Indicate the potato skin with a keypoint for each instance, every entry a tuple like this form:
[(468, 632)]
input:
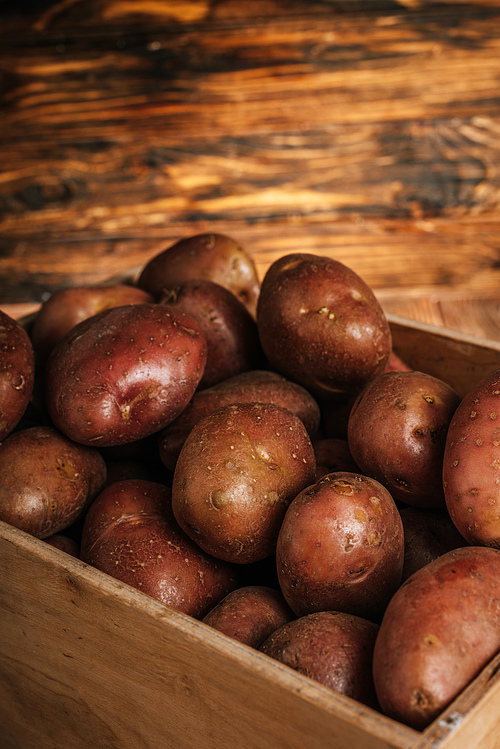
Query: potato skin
[(331, 647), (17, 373), (46, 480), (124, 374), (255, 386), (332, 455), (233, 344), (428, 535), (320, 325), (397, 432), (238, 470), (439, 630), (65, 308), (471, 464), (211, 256), (250, 614), (130, 534), (340, 547)]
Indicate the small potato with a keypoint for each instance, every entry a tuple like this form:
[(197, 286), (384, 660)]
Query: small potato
[(64, 543), (428, 535), (124, 374), (320, 325), (210, 256), (332, 455), (250, 614), (256, 386), (130, 534), (67, 307), (397, 432), (17, 373), (46, 480), (331, 647), (233, 344), (471, 464), (237, 472), (340, 547), (439, 630)]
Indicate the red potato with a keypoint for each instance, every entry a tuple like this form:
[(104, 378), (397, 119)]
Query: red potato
[(320, 325), (46, 480), (124, 374), (130, 534), (331, 647), (471, 464), (64, 543), (17, 373), (332, 455), (237, 472), (340, 547), (67, 307), (233, 344), (210, 256), (439, 630), (250, 614), (397, 432), (428, 535), (256, 386)]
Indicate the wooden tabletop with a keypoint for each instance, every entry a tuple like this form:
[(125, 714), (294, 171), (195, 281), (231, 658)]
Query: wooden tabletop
[(366, 130)]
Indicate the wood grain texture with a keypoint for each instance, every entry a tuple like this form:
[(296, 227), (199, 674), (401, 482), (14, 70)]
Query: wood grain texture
[(366, 131)]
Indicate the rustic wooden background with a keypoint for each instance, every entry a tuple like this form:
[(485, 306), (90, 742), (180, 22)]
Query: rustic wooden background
[(367, 130)]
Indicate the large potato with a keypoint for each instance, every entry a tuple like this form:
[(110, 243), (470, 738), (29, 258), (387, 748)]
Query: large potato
[(237, 472), (65, 308), (210, 256), (17, 373), (440, 628), (124, 374), (397, 432), (46, 480), (471, 464), (131, 534), (250, 614), (321, 325), (255, 386), (233, 344), (340, 547), (331, 647)]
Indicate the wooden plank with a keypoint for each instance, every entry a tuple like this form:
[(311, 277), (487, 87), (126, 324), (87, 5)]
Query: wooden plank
[(375, 137), (87, 661)]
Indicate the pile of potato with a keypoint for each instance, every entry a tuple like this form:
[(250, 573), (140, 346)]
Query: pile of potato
[(255, 455)]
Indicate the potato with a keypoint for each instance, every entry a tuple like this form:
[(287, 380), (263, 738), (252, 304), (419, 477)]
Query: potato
[(63, 543), (250, 614), (255, 386), (428, 535), (238, 470), (332, 455), (320, 325), (333, 648), (65, 308), (439, 630), (17, 373), (340, 547), (124, 374), (46, 480), (130, 534), (233, 344), (471, 464), (210, 256), (397, 431)]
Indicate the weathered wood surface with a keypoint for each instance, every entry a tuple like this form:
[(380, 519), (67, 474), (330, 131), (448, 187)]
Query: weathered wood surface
[(369, 131)]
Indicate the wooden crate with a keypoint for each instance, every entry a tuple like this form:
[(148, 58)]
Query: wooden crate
[(86, 661)]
